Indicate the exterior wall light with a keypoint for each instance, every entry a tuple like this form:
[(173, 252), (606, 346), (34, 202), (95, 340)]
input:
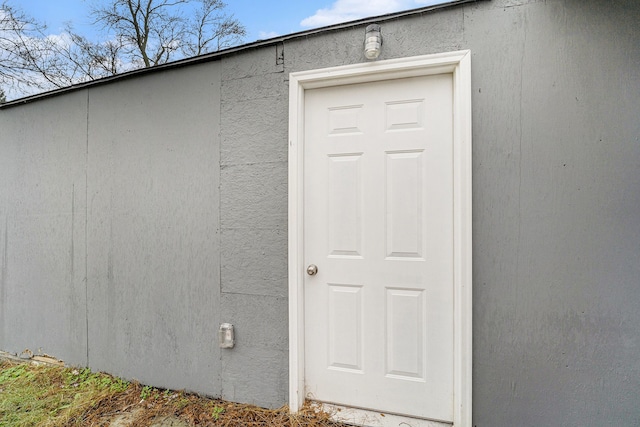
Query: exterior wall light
[(372, 41), (226, 337)]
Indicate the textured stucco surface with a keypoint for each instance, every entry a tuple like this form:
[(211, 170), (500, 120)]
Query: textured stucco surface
[(168, 192), (42, 206), (253, 223), (110, 225), (556, 203), (153, 228)]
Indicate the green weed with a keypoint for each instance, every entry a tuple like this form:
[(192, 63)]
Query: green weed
[(52, 396), (148, 392), (217, 411)]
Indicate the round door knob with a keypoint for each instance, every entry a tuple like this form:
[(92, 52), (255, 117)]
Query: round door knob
[(312, 270)]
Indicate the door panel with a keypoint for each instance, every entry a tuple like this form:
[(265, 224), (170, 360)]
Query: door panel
[(378, 215)]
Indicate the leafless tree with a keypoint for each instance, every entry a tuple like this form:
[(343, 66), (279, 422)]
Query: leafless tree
[(138, 33), (154, 32), (31, 60), (212, 30), (86, 60), (27, 56)]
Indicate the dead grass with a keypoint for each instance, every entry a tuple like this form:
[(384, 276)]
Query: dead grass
[(51, 396)]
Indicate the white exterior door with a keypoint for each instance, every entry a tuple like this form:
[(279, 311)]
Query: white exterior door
[(379, 226)]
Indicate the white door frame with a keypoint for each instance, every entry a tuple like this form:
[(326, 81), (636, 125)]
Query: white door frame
[(459, 64)]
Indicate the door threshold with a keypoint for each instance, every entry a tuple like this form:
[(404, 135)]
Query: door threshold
[(368, 418)]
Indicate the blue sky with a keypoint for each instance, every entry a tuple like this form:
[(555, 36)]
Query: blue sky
[(263, 19)]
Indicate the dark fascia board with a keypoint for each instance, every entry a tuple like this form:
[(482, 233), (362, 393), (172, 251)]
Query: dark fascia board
[(213, 56)]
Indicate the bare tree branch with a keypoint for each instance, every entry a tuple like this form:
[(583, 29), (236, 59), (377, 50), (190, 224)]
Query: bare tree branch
[(138, 33), (213, 29), (159, 31), (90, 61), (27, 55)]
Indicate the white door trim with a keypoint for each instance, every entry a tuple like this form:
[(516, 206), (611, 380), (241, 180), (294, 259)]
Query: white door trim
[(459, 64)]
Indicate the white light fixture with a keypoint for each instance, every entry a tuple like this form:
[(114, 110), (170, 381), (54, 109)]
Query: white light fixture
[(372, 41), (226, 337)]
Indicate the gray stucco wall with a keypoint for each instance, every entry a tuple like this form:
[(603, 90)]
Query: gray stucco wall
[(153, 257), (110, 228), (253, 223), (556, 207), (42, 208), (178, 241)]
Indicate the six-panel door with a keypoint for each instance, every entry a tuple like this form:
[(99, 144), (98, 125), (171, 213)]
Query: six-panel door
[(378, 215)]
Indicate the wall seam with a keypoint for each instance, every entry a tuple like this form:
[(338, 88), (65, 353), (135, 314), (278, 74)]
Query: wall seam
[(519, 237), (235, 164), (3, 277), (219, 168), (86, 232), (252, 295)]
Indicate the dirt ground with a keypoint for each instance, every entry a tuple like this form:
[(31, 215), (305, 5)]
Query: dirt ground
[(68, 396)]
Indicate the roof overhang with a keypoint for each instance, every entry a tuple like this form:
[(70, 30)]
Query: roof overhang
[(213, 56)]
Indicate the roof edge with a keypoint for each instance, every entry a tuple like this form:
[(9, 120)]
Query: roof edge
[(212, 56)]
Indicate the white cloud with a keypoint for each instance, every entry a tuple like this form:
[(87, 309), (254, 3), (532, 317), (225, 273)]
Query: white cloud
[(263, 35), (349, 10), (63, 39)]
